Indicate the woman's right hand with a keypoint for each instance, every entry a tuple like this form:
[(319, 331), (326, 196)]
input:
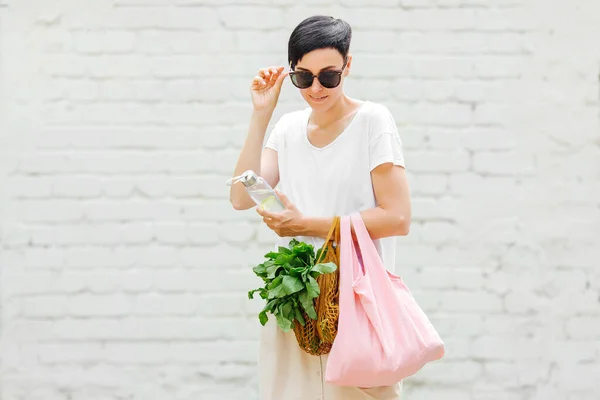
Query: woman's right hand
[(266, 87)]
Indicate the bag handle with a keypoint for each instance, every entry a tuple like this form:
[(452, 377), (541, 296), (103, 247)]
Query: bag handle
[(333, 235), (347, 255), (362, 235), (367, 246)]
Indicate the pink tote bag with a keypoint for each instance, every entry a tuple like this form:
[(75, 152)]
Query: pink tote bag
[(383, 335)]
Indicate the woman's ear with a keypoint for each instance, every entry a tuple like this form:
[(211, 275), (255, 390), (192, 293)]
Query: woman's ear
[(348, 65)]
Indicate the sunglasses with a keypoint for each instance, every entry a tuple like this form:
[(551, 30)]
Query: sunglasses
[(328, 79)]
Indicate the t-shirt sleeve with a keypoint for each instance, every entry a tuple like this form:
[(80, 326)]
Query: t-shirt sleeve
[(384, 140), (274, 140)]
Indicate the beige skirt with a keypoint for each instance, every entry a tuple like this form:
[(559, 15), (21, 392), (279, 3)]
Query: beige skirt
[(288, 373)]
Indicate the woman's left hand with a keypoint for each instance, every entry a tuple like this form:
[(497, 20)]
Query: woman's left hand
[(287, 223)]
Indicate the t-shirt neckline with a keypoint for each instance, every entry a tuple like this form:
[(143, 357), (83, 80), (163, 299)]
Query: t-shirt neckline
[(305, 127)]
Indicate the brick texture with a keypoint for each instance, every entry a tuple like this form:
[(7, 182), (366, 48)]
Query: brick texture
[(124, 270)]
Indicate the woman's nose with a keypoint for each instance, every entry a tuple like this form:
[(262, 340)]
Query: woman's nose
[(316, 85)]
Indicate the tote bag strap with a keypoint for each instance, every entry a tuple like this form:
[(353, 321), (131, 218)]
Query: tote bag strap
[(367, 247), (332, 236), (347, 261), (372, 261)]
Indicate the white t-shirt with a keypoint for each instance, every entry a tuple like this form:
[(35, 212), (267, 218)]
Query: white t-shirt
[(336, 179)]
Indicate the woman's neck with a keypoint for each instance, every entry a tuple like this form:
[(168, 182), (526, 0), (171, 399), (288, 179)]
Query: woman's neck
[(336, 112)]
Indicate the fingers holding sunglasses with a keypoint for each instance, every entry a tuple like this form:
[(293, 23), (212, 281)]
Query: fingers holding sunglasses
[(281, 75), (269, 77), (261, 80), (258, 83), (268, 74), (266, 87)]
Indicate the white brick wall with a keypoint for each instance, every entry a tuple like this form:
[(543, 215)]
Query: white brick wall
[(124, 270)]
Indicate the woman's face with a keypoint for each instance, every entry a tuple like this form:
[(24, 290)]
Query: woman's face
[(319, 97)]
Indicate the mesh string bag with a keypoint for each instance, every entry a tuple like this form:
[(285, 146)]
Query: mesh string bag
[(316, 336)]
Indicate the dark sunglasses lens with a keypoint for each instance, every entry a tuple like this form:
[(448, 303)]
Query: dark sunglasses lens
[(329, 79), (302, 80)]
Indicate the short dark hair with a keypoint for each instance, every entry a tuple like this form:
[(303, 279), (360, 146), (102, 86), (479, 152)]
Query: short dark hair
[(318, 32)]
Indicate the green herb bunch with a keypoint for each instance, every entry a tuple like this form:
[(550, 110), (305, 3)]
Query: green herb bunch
[(290, 281)]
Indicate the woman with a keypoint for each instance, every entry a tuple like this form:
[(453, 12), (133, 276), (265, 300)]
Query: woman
[(336, 157)]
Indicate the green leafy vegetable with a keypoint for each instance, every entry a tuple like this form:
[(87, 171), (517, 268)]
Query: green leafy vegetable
[(290, 284)]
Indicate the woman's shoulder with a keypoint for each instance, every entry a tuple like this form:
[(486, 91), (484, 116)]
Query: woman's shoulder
[(376, 109), (293, 117), (379, 117)]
